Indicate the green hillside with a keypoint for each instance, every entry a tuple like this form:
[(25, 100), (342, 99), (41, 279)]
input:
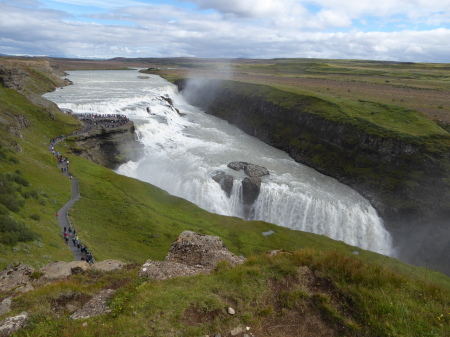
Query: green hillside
[(323, 280)]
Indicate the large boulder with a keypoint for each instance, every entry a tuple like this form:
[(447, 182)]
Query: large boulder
[(225, 181), (60, 269), (196, 249), (250, 189), (251, 185), (190, 254), (250, 170)]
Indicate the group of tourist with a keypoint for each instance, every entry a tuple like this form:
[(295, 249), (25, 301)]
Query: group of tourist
[(102, 120), (90, 121), (69, 233)]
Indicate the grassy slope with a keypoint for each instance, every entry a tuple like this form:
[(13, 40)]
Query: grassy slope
[(117, 217), (49, 189)]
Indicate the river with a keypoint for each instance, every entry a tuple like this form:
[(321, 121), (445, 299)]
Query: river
[(183, 150)]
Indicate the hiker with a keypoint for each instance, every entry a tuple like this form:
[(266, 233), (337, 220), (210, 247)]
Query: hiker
[(66, 239)]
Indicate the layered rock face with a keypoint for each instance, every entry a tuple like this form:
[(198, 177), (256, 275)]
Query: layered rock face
[(109, 147), (393, 174)]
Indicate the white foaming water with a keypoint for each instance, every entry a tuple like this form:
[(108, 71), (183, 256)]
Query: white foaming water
[(181, 153)]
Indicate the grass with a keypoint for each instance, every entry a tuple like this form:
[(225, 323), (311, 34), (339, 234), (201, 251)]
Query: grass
[(371, 117), (343, 294), (321, 280)]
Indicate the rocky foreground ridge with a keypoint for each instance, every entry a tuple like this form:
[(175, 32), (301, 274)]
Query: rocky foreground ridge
[(190, 254)]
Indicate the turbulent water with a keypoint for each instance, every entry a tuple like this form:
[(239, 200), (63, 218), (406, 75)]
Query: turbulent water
[(183, 152)]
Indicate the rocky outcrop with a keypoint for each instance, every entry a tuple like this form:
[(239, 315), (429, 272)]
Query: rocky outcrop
[(190, 254), (109, 147), (251, 185), (12, 78), (60, 269), (16, 277), (252, 170)]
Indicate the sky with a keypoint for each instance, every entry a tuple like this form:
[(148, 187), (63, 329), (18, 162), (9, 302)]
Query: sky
[(390, 30)]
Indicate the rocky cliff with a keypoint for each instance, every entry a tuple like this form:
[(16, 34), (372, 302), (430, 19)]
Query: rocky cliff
[(108, 147), (405, 179)]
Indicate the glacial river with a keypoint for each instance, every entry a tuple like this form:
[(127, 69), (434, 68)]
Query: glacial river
[(183, 151)]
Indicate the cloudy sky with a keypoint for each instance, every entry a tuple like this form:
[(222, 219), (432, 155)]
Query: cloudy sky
[(401, 30)]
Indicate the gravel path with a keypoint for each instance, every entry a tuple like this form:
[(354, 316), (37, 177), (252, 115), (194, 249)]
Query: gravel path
[(63, 217)]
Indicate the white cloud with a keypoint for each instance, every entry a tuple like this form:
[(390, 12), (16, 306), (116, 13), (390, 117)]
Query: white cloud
[(247, 8), (232, 29)]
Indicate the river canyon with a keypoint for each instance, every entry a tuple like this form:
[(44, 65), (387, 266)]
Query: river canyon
[(184, 149)]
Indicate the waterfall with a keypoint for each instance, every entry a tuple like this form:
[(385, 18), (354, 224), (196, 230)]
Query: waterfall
[(183, 149)]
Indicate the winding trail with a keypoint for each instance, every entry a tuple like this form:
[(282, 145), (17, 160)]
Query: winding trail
[(63, 216), (90, 123)]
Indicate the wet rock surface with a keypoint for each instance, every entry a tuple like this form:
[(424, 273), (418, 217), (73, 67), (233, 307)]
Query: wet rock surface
[(225, 181), (251, 185)]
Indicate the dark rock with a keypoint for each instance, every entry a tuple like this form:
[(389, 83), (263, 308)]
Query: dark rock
[(251, 185), (76, 270), (167, 99), (250, 189), (225, 181), (237, 165), (253, 170), (109, 147)]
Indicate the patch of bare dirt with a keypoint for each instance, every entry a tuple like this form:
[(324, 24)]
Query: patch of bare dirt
[(69, 302)]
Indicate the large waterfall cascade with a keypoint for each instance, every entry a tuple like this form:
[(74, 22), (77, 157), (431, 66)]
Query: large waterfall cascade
[(183, 149)]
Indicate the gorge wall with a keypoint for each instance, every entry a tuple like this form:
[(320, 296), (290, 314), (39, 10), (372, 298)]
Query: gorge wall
[(109, 147), (406, 181)]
